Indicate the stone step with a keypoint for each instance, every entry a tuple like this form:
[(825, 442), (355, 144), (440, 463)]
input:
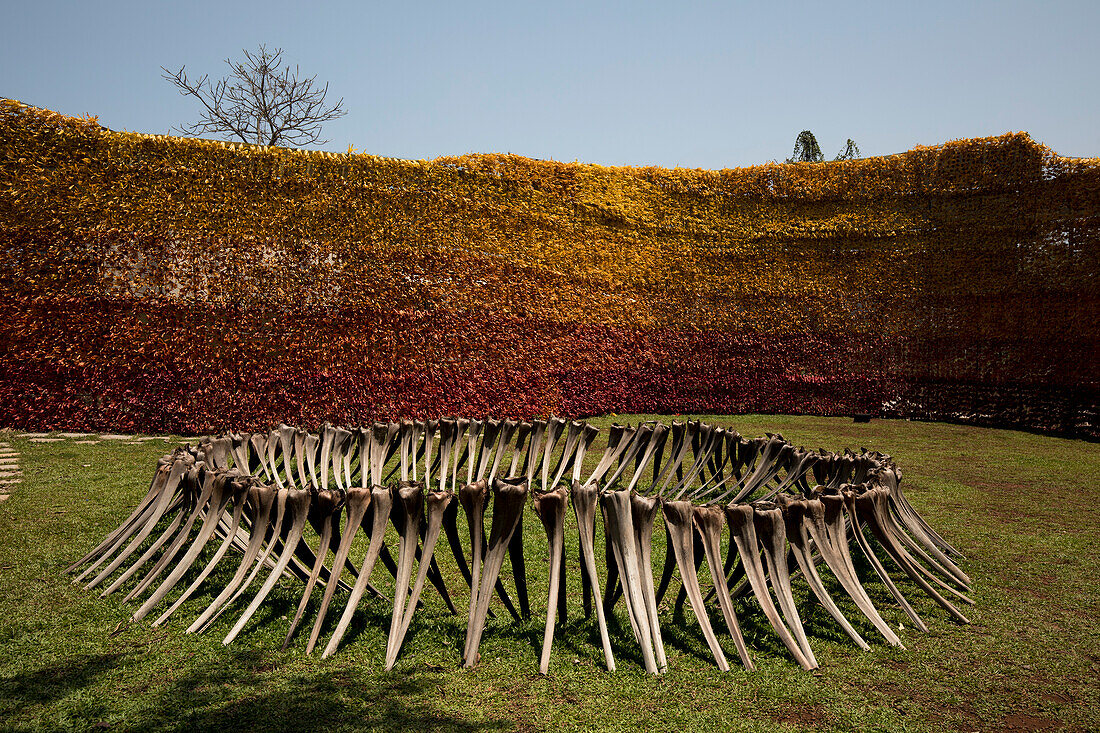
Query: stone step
[(46, 440)]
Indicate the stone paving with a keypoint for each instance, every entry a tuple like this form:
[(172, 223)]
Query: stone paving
[(92, 438), (9, 470), (11, 474)]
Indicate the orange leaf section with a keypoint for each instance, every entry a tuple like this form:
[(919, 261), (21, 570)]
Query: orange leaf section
[(153, 282)]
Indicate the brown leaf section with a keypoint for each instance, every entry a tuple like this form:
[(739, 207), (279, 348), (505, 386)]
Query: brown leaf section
[(959, 281)]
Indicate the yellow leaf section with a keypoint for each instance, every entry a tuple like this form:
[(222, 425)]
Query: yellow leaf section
[(888, 245)]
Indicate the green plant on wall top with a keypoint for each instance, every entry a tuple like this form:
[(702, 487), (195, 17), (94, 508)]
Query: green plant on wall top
[(807, 150)]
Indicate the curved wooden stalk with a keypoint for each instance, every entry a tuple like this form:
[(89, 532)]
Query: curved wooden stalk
[(217, 452), (473, 497), (847, 501), (325, 511), (921, 528), (221, 494), (409, 502), (240, 488), (381, 503), (825, 525), (619, 525), (357, 502), (509, 496), (678, 523), (239, 448), (166, 496), (583, 498), (171, 532), (276, 529), (910, 525), (771, 532), (261, 498), (133, 522), (643, 512), (731, 568), (437, 502), (298, 503), (199, 501), (739, 517), (795, 517), (915, 549), (449, 445), (939, 573), (709, 521), (872, 509), (550, 508)]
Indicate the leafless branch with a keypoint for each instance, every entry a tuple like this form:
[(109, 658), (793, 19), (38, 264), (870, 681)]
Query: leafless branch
[(260, 101)]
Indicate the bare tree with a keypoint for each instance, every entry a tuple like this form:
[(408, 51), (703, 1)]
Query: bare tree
[(261, 101)]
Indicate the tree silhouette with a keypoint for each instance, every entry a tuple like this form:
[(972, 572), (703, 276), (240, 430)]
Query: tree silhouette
[(850, 152), (260, 102), (807, 150)]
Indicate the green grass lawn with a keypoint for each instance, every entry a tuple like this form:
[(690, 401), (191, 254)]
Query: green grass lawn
[(1022, 508)]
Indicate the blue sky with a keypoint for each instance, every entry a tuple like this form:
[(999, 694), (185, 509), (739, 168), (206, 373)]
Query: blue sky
[(692, 84)]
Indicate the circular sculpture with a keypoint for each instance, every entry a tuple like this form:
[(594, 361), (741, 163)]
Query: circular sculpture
[(788, 511)]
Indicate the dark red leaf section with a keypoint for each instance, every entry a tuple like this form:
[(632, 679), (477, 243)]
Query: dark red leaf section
[(127, 366)]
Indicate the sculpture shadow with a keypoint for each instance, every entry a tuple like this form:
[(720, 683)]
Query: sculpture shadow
[(235, 691), (55, 681)]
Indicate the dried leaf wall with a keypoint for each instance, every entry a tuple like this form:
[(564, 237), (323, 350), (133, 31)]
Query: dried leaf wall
[(160, 283)]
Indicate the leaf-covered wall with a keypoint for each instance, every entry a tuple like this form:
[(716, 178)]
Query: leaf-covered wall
[(161, 283)]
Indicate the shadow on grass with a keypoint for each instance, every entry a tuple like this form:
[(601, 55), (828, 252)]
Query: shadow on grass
[(53, 682), (319, 702), (236, 694)]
